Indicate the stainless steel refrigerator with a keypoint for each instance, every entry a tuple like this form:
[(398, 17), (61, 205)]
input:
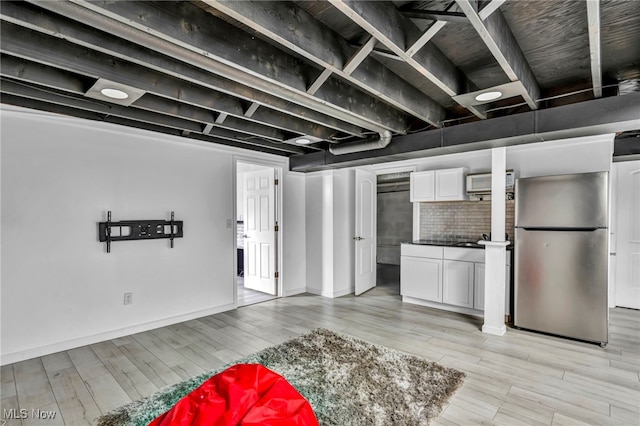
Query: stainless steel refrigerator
[(561, 255)]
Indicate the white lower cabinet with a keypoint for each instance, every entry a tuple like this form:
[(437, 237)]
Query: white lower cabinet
[(450, 276), (478, 296), (478, 292), (457, 283), (421, 278)]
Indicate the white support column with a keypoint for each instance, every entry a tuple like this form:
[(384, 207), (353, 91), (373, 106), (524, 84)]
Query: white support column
[(495, 250)]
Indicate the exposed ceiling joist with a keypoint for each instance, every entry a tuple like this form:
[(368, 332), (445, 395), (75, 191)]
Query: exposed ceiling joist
[(294, 28), (140, 115), (433, 15), (383, 21), (344, 75), (593, 18), (497, 36), (78, 33), (360, 55), (283, 75), (489, 8), (434, 28), (56, 53)]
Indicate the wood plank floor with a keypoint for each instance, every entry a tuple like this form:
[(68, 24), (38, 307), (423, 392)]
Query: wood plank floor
[(520, 378)]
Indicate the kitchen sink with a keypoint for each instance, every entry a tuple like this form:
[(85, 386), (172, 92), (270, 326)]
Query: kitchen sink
[(469, 244)]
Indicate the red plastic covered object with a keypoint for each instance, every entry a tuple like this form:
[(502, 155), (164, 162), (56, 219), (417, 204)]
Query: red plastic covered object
[(244, 395)]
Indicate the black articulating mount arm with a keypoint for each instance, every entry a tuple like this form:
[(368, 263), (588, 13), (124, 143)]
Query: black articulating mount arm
[(138, 230)]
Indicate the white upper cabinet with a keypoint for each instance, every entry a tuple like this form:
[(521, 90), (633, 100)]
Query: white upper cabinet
[(438, 185), (450, 184), (422, 186)]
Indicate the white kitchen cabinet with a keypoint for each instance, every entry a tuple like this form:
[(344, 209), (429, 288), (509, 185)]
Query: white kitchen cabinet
[(450, 184), (438, 185), (457, 283), (478, 291), (450, 278), (422, 186), (478, 297), (421, 277)]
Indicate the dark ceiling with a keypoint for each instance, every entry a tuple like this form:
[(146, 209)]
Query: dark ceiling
[(346, 75)]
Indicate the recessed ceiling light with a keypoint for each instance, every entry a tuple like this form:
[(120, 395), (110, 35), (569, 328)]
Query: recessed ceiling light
[(488, 96), (114, 93), (304, 141)]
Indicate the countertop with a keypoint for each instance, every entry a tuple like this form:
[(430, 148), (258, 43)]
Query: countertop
[(451, 242)]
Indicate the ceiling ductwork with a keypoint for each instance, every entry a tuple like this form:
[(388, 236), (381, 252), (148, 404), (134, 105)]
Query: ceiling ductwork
[(358, 146)]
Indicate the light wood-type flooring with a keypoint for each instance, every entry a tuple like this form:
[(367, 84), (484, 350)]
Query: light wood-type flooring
[(520, 378), (247, 296)]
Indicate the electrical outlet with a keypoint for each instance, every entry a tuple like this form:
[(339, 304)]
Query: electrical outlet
[(128, 298)]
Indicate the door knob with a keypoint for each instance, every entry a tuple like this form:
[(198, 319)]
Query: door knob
[(245, 236), (358, 238)]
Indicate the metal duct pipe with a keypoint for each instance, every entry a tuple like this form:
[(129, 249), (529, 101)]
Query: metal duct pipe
[(348, 147)]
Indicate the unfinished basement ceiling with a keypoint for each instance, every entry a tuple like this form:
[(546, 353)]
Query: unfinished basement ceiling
[(311, 79)]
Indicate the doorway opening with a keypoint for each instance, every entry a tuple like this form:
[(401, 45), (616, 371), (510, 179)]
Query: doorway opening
[(256, 233), (394, 226)]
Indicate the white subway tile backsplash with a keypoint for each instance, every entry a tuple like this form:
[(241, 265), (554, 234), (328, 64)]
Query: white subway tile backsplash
[(464, 220)]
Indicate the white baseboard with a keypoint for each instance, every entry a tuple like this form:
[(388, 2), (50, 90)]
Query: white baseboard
[(316, 291), (343, 292), (11, 358), (294, 291)]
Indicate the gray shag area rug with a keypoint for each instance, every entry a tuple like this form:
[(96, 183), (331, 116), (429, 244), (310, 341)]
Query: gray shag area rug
[(346, 380)]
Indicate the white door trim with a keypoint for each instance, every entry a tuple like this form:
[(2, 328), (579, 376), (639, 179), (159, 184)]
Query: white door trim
[(280, 167)]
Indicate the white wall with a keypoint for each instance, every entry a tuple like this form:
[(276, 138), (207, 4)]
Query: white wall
[(294, 234), (577, 155), (314, 230), (60, 289), (330, 224)]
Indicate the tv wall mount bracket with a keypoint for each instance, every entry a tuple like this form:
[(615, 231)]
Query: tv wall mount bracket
[(126, 230)]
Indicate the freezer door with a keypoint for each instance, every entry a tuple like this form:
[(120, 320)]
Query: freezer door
[(565, 201), (561, 282)]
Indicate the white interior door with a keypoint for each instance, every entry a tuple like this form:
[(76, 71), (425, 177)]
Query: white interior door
[(365, 238), (259, 231), (627, 211)]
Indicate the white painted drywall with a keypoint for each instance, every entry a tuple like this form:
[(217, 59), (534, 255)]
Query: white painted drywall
[(314, 231), (60, 175), (329, 229), (294, 234), (576, 155)]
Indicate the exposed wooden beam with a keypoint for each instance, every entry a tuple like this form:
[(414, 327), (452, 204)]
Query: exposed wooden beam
[(106, 109), (428, 34), (434, 28), (360, 55), (433, 15), (324, 76), (45, 76), (497, 36), (384, 22), (593, 19), (116, 45), (221, 118), (489, 8), (81, 61), (291, 26), (283, 75), (252, 109)]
